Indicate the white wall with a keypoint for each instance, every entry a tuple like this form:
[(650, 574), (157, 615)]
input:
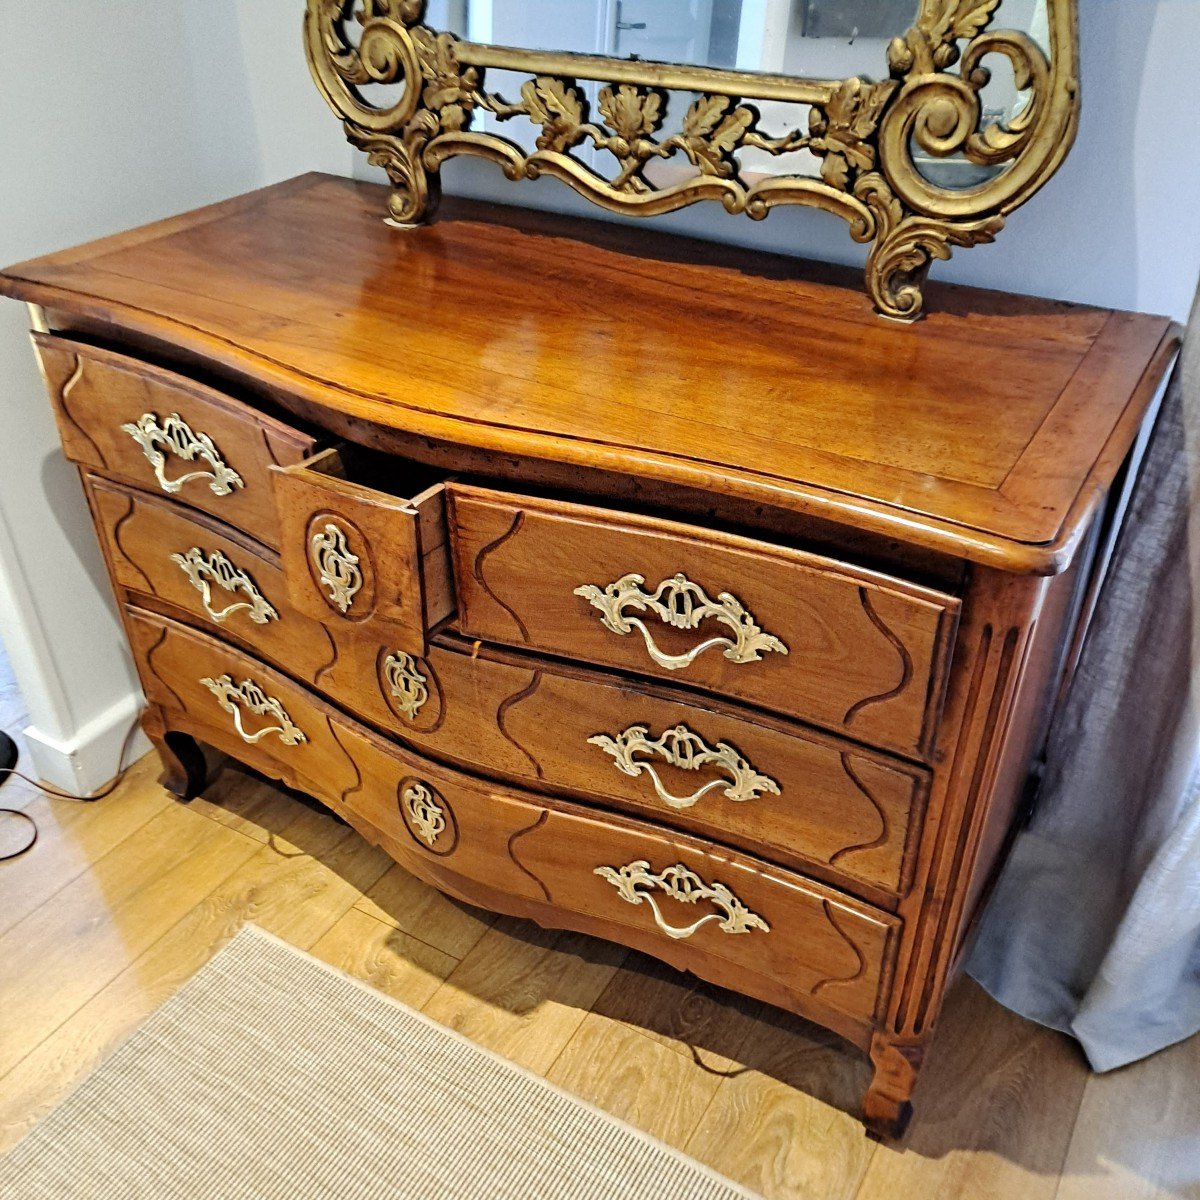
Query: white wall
[(1115, 227), (114, 114)]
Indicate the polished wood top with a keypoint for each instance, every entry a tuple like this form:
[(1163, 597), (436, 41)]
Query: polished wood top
[(989, 430)]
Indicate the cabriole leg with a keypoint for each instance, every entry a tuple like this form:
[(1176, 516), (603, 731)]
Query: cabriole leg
[(185, 771), (887, 1104)]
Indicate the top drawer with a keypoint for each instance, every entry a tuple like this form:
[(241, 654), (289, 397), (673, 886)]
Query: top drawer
[(166, 433), (853, 650)]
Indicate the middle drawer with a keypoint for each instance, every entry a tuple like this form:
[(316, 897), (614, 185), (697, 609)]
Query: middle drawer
[(856, 651), (367, 551), (776, 788)]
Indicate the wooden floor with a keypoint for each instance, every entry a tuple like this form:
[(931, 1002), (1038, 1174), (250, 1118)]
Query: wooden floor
[(121, 901)]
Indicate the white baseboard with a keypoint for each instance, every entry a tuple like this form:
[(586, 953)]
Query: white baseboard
[(88, 760)]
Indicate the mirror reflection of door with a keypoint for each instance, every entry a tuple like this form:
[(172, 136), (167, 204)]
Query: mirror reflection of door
[(823, 39), (672, 31), (581, 26)]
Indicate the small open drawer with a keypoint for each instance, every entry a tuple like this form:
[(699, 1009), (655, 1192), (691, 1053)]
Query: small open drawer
[(364, 540)]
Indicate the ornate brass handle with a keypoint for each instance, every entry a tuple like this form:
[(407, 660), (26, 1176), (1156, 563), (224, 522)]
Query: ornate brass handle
[(684, 605), (682, 884), (232, 697), (175, 436), (681, 747), (337, 568), (204, 570)]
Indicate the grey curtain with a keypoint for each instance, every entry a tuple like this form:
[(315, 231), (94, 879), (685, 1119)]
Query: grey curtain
[(1094, 928)]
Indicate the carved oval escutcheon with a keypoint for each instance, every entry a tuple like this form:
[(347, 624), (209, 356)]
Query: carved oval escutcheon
[(427, 816), (411, 689), (340, 564)]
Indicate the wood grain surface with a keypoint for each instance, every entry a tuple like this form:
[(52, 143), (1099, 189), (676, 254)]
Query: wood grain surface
[(886, 505), (96, 392), (852, 814), (818, 950), (396, 539), (988, 430), (863, 654), (848, 813)]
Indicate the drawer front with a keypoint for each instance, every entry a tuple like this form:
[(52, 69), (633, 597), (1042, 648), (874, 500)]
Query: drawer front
[(854, 651), (769, 786), (235, 588), (167, 434), (724, 916), (358, 558), (209, 572), (235, 703)]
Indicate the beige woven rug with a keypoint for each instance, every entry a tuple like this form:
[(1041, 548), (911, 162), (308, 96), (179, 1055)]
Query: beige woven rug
[(271, 1075)]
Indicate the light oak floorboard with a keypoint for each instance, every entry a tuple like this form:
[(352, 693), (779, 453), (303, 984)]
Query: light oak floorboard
[(784, 1124), (1138, 1132), (296, 894), (705, 1024), (997, 1098), (63, 953), (524, 991), (634, 1077), (130, 896), (72, 835), (381, 955), (244, 803), (404, 902)]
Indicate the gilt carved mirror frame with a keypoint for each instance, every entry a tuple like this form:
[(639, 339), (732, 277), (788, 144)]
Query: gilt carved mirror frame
[(863, 132)]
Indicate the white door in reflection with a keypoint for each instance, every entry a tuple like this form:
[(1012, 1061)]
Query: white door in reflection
[(581, 26), (673, 31)]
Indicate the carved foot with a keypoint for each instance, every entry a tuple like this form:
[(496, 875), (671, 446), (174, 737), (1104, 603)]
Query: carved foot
[(185, 771), (416, 191), (887, 1104)]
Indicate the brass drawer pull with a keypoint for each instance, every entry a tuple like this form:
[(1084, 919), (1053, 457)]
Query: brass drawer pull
[(684, 605), (682, 884), (175, 436), (427, 816), (408, 686), (231, 697), (681, 747), (204, 570), (336, 566)]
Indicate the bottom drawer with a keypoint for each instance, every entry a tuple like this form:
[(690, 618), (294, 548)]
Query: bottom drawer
[(723, 915)]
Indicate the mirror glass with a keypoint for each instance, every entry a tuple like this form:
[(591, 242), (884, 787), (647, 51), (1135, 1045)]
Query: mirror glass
[(826, 39), (815, 39)]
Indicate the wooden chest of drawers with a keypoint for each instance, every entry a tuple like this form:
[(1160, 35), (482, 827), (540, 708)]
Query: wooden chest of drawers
[(579, 631)]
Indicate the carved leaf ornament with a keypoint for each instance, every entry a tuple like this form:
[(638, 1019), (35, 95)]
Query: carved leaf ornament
[(864, 134)]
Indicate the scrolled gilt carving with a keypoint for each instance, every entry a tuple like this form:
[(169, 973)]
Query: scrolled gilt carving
[(174, 436), (337, 568), (425, 814), (636, 882), (683, 748), (860, 133)]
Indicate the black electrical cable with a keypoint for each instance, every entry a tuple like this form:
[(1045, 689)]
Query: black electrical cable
[(8, 763), (8, 769)]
